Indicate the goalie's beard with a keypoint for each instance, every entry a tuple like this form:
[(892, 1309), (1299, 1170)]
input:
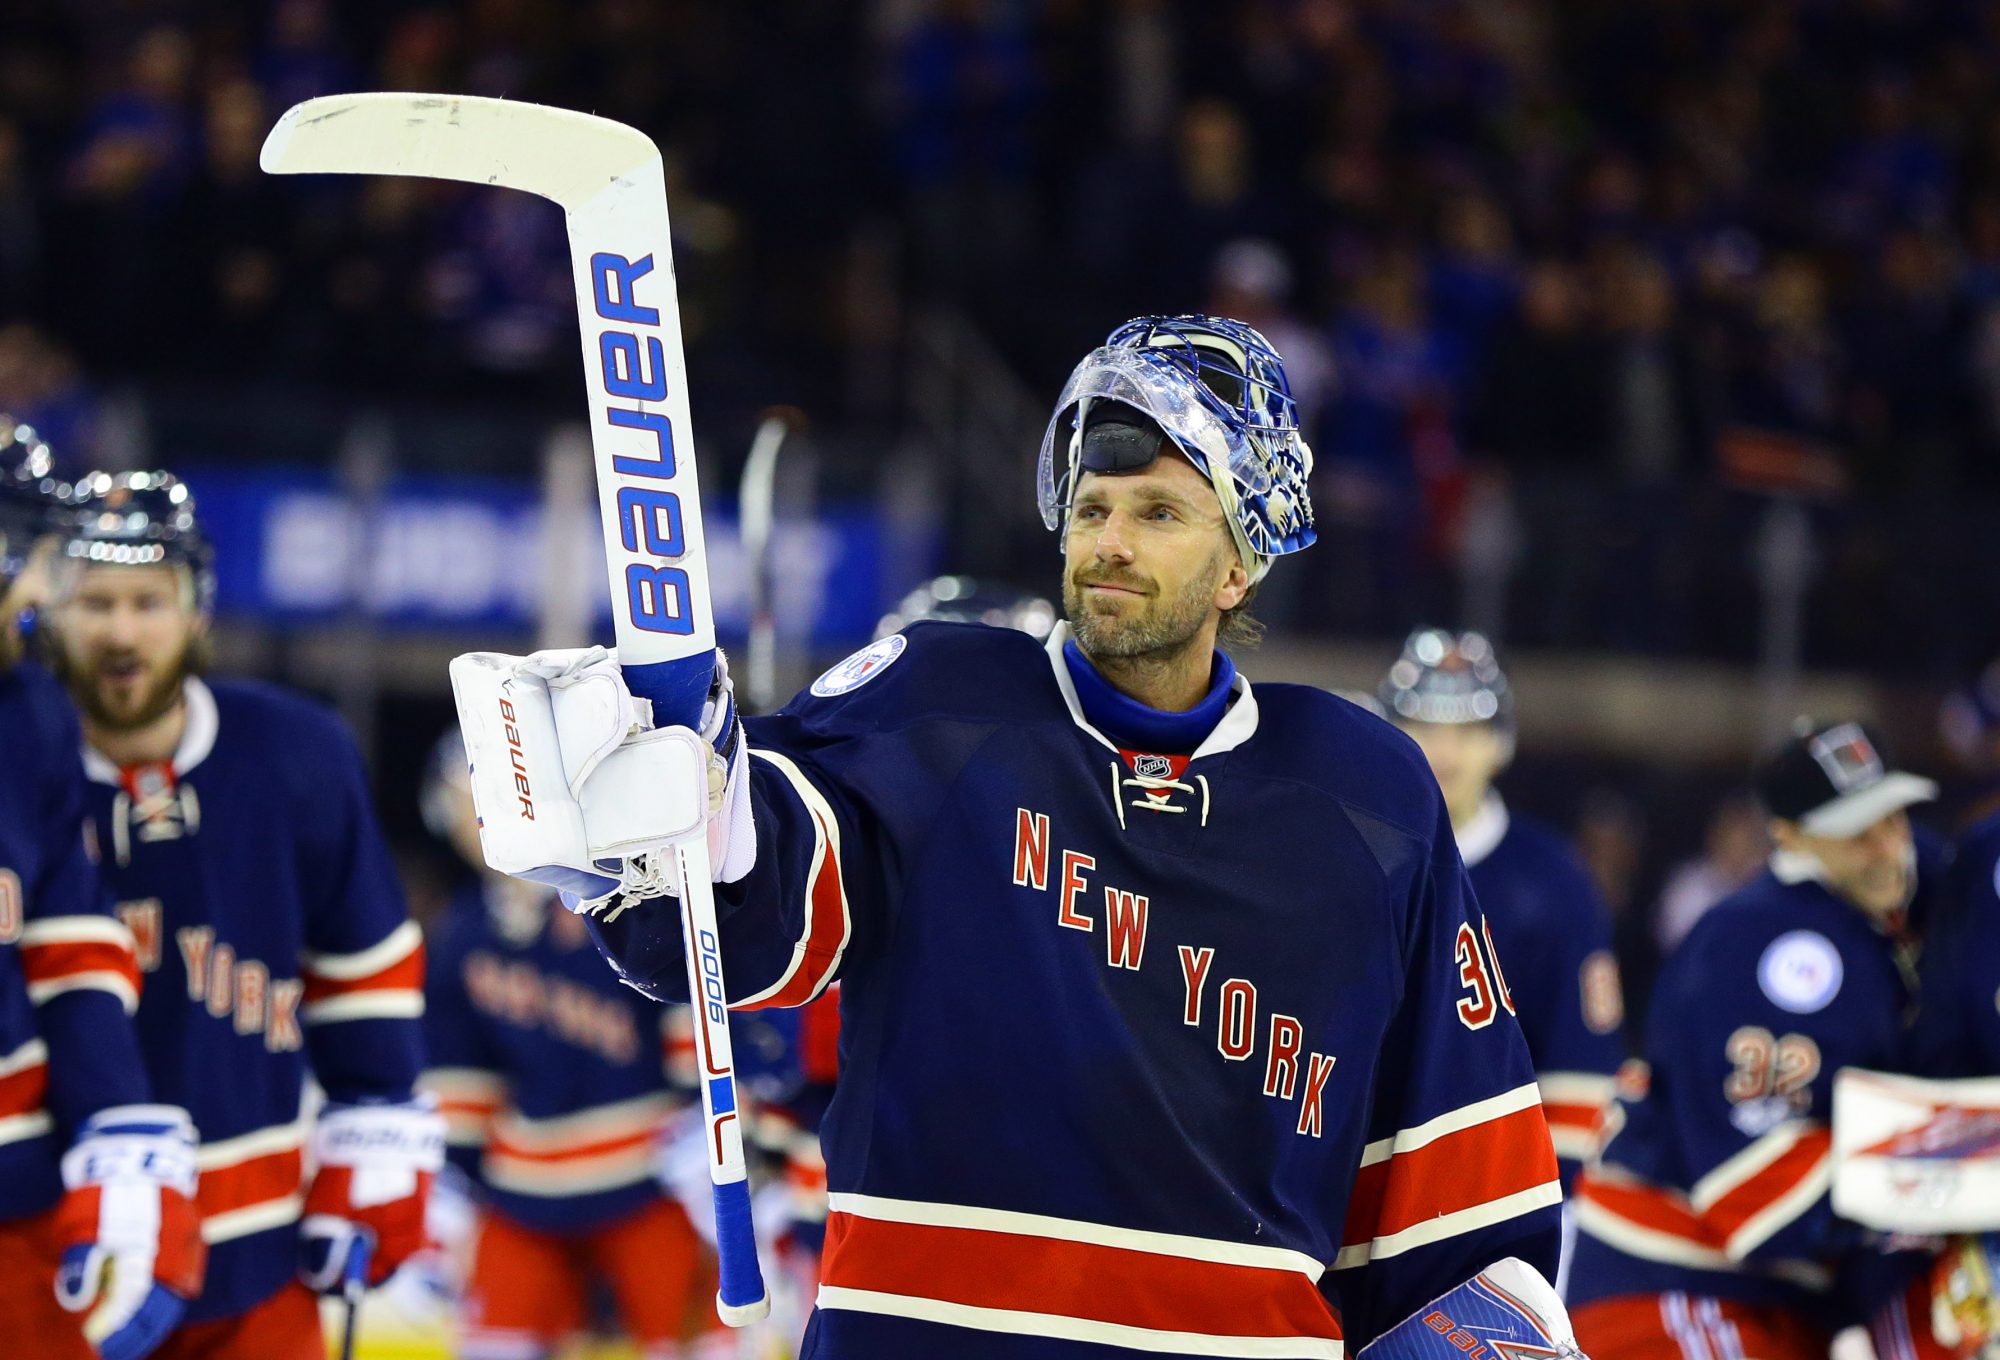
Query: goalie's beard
[(148, 705)]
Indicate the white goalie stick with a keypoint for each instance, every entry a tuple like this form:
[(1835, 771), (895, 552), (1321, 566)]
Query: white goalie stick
[(609, 182)]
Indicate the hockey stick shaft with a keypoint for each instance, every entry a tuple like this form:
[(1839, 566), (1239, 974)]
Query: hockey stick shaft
[(757, 511), (610, 183)]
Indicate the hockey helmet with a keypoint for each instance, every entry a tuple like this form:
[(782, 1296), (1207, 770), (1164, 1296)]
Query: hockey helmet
[(1445, 677), (136, 519), (963, 599), (29, 495), (1217, 390)]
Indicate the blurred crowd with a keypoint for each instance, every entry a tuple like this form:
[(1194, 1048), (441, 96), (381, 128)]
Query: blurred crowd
[(1612, 268), (1552, 233)]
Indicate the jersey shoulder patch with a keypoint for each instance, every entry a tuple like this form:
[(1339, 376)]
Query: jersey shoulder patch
[(844, 677), (1800, 971)]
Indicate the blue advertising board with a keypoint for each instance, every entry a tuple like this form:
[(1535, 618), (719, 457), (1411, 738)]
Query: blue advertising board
[(472, 553)]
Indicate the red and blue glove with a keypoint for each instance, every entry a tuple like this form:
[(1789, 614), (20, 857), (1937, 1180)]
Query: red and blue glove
[(132, 1251), (376, 1164)]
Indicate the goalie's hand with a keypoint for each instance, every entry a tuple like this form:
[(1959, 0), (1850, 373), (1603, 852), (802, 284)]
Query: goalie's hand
[(576, 788)]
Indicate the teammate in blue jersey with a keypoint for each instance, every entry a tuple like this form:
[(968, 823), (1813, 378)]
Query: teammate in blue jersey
[(1957, 1032), (553, 1080), (1706, 1229), (235, 830), (1168, 1022), (99, 1248), (1553, 931)]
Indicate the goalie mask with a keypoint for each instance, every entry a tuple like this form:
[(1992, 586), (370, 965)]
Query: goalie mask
[(1213, 387)]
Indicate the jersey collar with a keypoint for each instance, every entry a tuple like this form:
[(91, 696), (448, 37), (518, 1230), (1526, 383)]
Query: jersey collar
[(1483, 834), (197, 740), (1237, 726)]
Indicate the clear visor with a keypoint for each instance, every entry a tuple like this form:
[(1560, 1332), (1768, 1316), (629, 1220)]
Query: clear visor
[(1157, 386)]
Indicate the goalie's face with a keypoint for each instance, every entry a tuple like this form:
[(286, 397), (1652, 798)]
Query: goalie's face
[(1149, 562), (127, 635)]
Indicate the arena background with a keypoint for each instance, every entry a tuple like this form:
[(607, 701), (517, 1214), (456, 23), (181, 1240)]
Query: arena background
[(1661, 342)]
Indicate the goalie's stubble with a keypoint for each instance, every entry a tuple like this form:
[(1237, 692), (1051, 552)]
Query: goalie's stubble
[(1155, 627)]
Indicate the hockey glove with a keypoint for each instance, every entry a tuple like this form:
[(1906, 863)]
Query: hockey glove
[(132, 1251), (376, 1164)]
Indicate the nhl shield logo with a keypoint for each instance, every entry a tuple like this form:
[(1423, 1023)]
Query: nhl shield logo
[(857, 670), (1153, 767)]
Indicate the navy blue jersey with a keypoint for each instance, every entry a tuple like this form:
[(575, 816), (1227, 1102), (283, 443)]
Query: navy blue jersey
[(68, 979), (1554, 938), (550, 1072), (1136, 1047), (1957, 1033), (1715, 1182), (273, 934)]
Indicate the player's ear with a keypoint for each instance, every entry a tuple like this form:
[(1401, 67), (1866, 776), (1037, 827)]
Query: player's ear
[(1234, 586)]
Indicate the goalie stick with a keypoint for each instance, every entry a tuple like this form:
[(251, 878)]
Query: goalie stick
[(609, 181), (757, 513)]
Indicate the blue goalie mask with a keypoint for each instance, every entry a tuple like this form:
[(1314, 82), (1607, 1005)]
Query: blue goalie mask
[(1213, 387)]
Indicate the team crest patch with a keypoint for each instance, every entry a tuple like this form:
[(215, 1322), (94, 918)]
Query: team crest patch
[(851, 674), (1800, 971)]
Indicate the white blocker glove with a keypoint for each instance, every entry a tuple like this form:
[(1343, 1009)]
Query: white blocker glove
[(576, 788), (132, 1254)]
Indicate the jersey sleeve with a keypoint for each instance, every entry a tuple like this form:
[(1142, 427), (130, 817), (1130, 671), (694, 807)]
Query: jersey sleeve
[(79, 960), (1459, 1170), (829, 780), (363, 965), (1752, 1089), (1572, 1009), (463, 1073)]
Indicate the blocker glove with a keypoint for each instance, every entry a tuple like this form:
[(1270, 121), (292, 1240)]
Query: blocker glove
[(376, 1164), (132, 1254), (575, 786)]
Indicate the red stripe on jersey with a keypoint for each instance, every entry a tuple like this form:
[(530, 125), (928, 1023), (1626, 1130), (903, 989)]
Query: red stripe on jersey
[(57, 960), (1583, 1120), (982, 1268), (1650, 1206), (565, 1152), (1759, 1192), (826, 930), (819, 1037), (254, 1180), (404, 975), (23, 1092), (1460, 1170)]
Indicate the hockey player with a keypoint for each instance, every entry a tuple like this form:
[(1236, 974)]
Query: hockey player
[(236, 832), (1168, 1021), (1553, 931), (551, 1076), (1956, 1035), (99, 1248), (1706, 1229)]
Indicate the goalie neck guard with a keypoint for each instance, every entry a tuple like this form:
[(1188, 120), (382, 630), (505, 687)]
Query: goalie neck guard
[(139, 519), (1217, 390)]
